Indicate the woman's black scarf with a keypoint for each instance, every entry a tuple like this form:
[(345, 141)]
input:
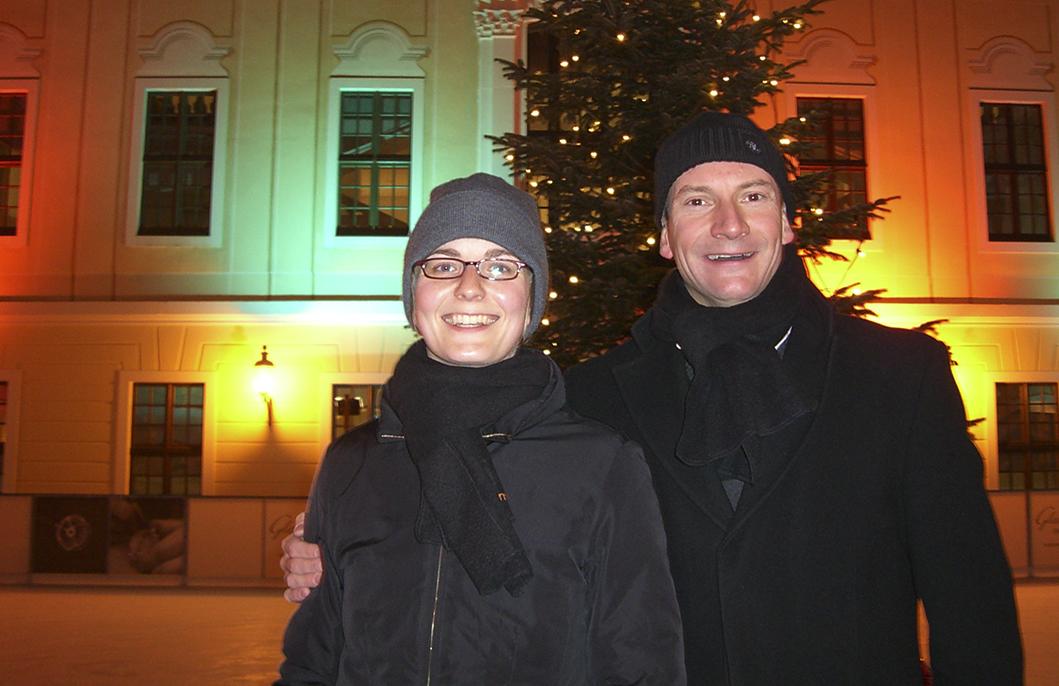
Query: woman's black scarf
[(740, 390), (443, 410)]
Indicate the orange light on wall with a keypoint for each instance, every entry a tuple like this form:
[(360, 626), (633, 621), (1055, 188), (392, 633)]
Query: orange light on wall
[(264, 380)]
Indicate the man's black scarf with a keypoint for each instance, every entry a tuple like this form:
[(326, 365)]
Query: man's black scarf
[(740, 391), (443, 410)]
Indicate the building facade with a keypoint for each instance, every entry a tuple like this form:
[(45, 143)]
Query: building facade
[(186, 182)]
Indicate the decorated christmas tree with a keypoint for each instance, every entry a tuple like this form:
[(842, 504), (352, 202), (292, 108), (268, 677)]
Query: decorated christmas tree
[(605, 82)]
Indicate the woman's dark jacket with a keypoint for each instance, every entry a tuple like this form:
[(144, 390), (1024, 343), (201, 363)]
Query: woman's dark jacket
[(874, 500), (599, 609)]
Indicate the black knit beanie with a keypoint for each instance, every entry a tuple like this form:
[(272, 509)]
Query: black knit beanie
[(487, 207), (717, 137)]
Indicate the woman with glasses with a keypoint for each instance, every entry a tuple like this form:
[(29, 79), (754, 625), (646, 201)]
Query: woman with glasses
[(480, 532)]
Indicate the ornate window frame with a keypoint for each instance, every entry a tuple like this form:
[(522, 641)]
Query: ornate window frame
[(180, 56)]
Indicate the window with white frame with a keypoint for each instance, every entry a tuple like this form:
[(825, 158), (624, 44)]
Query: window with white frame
[(836, 148), (12, 142), (17, 108), (374, 162), (1016, 172), (178, 159), (1027, 419), (165, 456), (177, 152), (180, 127), (353, 405)]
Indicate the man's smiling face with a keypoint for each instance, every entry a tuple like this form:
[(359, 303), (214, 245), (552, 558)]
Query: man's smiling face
[(725, 227)]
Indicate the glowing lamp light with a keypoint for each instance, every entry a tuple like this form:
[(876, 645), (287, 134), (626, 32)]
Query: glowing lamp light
[(651, 240), (264, 380), (620, 37), (574, 279), (552, 295)]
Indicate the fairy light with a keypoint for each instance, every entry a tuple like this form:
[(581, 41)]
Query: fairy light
[(620, 37), (785, 141), (626, 137), (546, 322), (756, 17), (773, 82), (562, 141), (651, 240), (547, 229), (713, 93), (725, 79), (546, 351), (576, 128), (610, 190), (552, 295), (535, 112), (564, 63), (818, 211), (574, 279), (762, 58), (574, 58), (533, 184), (509, 157), (797, 25), (593, 154)]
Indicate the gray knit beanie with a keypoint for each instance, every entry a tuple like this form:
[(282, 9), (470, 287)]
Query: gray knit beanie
[(487, 207), (717, 137)]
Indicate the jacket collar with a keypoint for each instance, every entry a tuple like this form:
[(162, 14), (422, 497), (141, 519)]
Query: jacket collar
[(504, 429)]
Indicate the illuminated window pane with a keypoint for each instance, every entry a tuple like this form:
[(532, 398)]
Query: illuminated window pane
[(1027, 436), (166, 453), (836, 147), (12, 140), (374, 163), (177, 163), (353, 405), (1016, 174)]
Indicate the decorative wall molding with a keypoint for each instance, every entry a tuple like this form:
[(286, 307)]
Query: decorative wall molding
[(183, 48), (381, 49), (1006, 62), (16, 54), (489, 22), (831, 56)]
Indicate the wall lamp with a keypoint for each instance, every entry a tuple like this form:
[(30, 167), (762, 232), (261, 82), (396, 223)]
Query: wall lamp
[(264, 383)]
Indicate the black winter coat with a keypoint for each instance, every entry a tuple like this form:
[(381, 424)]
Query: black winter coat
[(600, 608), (873, 502)]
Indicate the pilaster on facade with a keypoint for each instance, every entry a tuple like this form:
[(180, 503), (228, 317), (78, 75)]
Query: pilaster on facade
[(501, 36)]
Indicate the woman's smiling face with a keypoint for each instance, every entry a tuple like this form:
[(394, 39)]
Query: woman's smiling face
[(471, 321)]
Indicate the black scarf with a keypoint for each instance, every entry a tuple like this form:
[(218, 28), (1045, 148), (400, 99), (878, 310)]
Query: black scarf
[(444, 410), (740, 391)]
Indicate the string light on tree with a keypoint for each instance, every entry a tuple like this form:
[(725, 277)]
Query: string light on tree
[(605, 119)]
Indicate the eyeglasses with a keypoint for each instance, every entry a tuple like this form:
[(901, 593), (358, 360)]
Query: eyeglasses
[(493, 269)]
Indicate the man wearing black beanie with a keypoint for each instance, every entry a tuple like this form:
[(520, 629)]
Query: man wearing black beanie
[(814, 471)]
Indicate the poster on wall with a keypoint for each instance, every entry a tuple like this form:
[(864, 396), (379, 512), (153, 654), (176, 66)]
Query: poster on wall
[(1044, 532), (147, 535), (69, 535)]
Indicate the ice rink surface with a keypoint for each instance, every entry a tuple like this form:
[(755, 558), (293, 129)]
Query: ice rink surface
[(52, 636)]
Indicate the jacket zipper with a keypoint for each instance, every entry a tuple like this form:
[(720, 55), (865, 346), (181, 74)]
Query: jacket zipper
[(434, 614)]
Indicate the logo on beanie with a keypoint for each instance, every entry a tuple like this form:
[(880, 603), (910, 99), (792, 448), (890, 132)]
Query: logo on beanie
[(752, 146)]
